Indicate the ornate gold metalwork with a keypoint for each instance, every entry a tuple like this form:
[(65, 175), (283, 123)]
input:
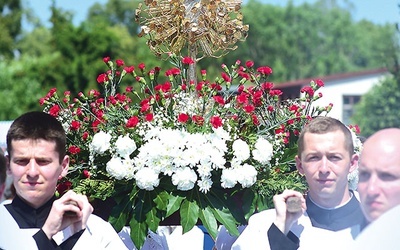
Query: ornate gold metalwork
[(210, 27)]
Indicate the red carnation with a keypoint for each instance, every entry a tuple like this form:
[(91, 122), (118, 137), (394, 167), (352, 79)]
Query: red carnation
[(183, 118), (54, 110), (74, 149), (119, 62), (102, 78), (187, 60), (132, 122), (216, 121), (75, 125)]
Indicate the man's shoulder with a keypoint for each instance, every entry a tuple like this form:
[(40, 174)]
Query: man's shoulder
[(262, 216)]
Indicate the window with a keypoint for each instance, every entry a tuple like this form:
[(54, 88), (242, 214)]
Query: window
[(348, 107)]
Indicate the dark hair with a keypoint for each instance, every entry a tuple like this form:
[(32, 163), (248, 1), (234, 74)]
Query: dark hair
[(3, 166), (323, 125), (37, 125)]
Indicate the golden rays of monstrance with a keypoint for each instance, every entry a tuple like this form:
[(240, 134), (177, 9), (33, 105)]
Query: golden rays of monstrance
[(206, 28)]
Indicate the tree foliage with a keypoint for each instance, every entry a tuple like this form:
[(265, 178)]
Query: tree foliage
[(10, 26), (378, 108)]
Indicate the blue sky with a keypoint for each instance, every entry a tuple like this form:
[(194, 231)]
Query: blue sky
[(377, 11)]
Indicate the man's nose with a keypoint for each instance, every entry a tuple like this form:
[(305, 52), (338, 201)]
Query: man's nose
[(324, 165), (32, 168)]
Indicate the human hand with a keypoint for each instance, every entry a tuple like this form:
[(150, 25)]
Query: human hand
[(71, 209), (285, 219)]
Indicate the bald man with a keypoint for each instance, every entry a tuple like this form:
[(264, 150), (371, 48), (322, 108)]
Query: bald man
[(379, 189)]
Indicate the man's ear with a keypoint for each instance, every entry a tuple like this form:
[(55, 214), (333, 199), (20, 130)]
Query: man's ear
[(353, 162), (299, 166), (65, 166)]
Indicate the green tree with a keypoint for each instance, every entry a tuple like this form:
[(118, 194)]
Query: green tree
[(379, 107), (10, 26), (19, 93)]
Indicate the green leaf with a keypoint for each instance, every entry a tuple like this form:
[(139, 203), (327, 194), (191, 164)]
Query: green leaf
[(119, 214), (222, 213), (209, 222), (138, 232), (161, 200), (153, 216), (189, 215), (174, 204)]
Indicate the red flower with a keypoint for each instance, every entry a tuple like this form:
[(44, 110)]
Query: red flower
[(275, 92), (132, 122), (166, 87), (308, 90), (75, 125), (242, 98), (141, 66), (106, 59), (249, 64), (54, 110), (119, 62), (256, 122), (74, 150), (264, 70), (216, 121), (225, 77), (63, 186), (249, 108), (199, 120), (129, 89), (144, 105), (149, 117), (270, 108), (102, 78), (86, 173), (267, 86), (129, 69), (219, 99), (183, 118), (319, 83), (85, 135), (187, 60)]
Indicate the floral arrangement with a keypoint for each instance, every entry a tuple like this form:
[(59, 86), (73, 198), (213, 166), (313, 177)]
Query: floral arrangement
[(184, 146), (176, 142)]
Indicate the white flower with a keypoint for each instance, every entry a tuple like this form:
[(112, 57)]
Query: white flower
[(147, 178), (184, 178), (100, 142), (204, 184), (228, 178), (115, 168), (247, 175), (263, 151), (241, 150), (124, 146)]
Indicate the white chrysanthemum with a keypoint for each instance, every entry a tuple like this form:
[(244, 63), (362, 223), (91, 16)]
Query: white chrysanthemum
[(100, 142), (147, 178), (124, 146), (263, 151), (353, 179), (204, 169), (247, 175), (184, 178), (241, 150), (228, 178), (204, 184), (115, 168)]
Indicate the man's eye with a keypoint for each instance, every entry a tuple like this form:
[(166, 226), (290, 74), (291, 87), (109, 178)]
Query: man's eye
[(363, 176), (387, 177)]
